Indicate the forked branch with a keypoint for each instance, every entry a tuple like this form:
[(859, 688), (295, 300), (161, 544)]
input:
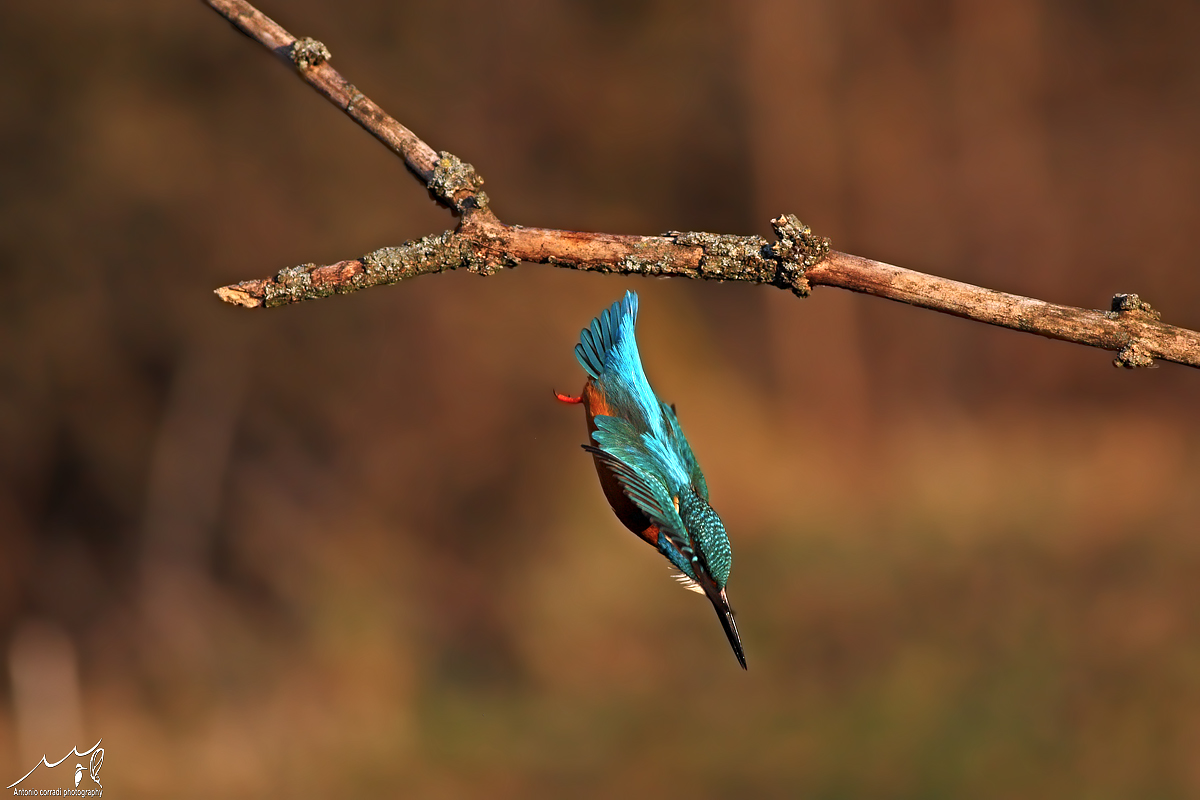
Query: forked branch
[(798, 260)]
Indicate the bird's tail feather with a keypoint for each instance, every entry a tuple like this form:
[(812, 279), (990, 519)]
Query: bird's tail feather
[(598, 340)]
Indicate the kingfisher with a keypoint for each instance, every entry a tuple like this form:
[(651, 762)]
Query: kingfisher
[(645, 464)]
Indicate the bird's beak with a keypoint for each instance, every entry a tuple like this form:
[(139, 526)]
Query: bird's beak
[(725, 614)]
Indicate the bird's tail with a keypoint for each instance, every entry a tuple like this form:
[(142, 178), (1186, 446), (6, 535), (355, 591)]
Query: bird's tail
[(606, 330)]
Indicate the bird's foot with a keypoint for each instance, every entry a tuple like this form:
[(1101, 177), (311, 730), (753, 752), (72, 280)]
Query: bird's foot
[(566, 398)]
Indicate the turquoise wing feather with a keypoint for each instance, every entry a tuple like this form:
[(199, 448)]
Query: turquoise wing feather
[(679, 444), (650, 496)]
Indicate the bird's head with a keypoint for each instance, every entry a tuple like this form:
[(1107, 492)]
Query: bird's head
[(707, 532)]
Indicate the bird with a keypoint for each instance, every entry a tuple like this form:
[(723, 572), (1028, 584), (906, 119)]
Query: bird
[(646, 467)]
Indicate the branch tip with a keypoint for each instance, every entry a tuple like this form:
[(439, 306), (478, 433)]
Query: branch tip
[(238, 297)]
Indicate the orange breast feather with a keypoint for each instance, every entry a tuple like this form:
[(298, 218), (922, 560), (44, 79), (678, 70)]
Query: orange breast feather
[(626, 510)]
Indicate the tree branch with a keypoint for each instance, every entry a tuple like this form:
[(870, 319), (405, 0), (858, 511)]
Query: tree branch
[(797, 261)]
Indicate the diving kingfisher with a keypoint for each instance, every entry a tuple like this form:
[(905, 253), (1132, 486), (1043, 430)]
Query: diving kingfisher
[(646, 467)]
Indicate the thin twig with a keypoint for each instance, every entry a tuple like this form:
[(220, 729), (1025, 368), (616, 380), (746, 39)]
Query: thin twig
[(798, 260), (311, 59)]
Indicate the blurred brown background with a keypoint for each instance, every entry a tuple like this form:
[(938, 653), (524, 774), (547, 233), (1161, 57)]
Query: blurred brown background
[(352, 546)]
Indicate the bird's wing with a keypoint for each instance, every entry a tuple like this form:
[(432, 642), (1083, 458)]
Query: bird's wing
[(684, 451), (642, 467), (649, 499)]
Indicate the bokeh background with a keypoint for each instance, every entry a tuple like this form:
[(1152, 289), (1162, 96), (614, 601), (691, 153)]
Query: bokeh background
[(352, 546)]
